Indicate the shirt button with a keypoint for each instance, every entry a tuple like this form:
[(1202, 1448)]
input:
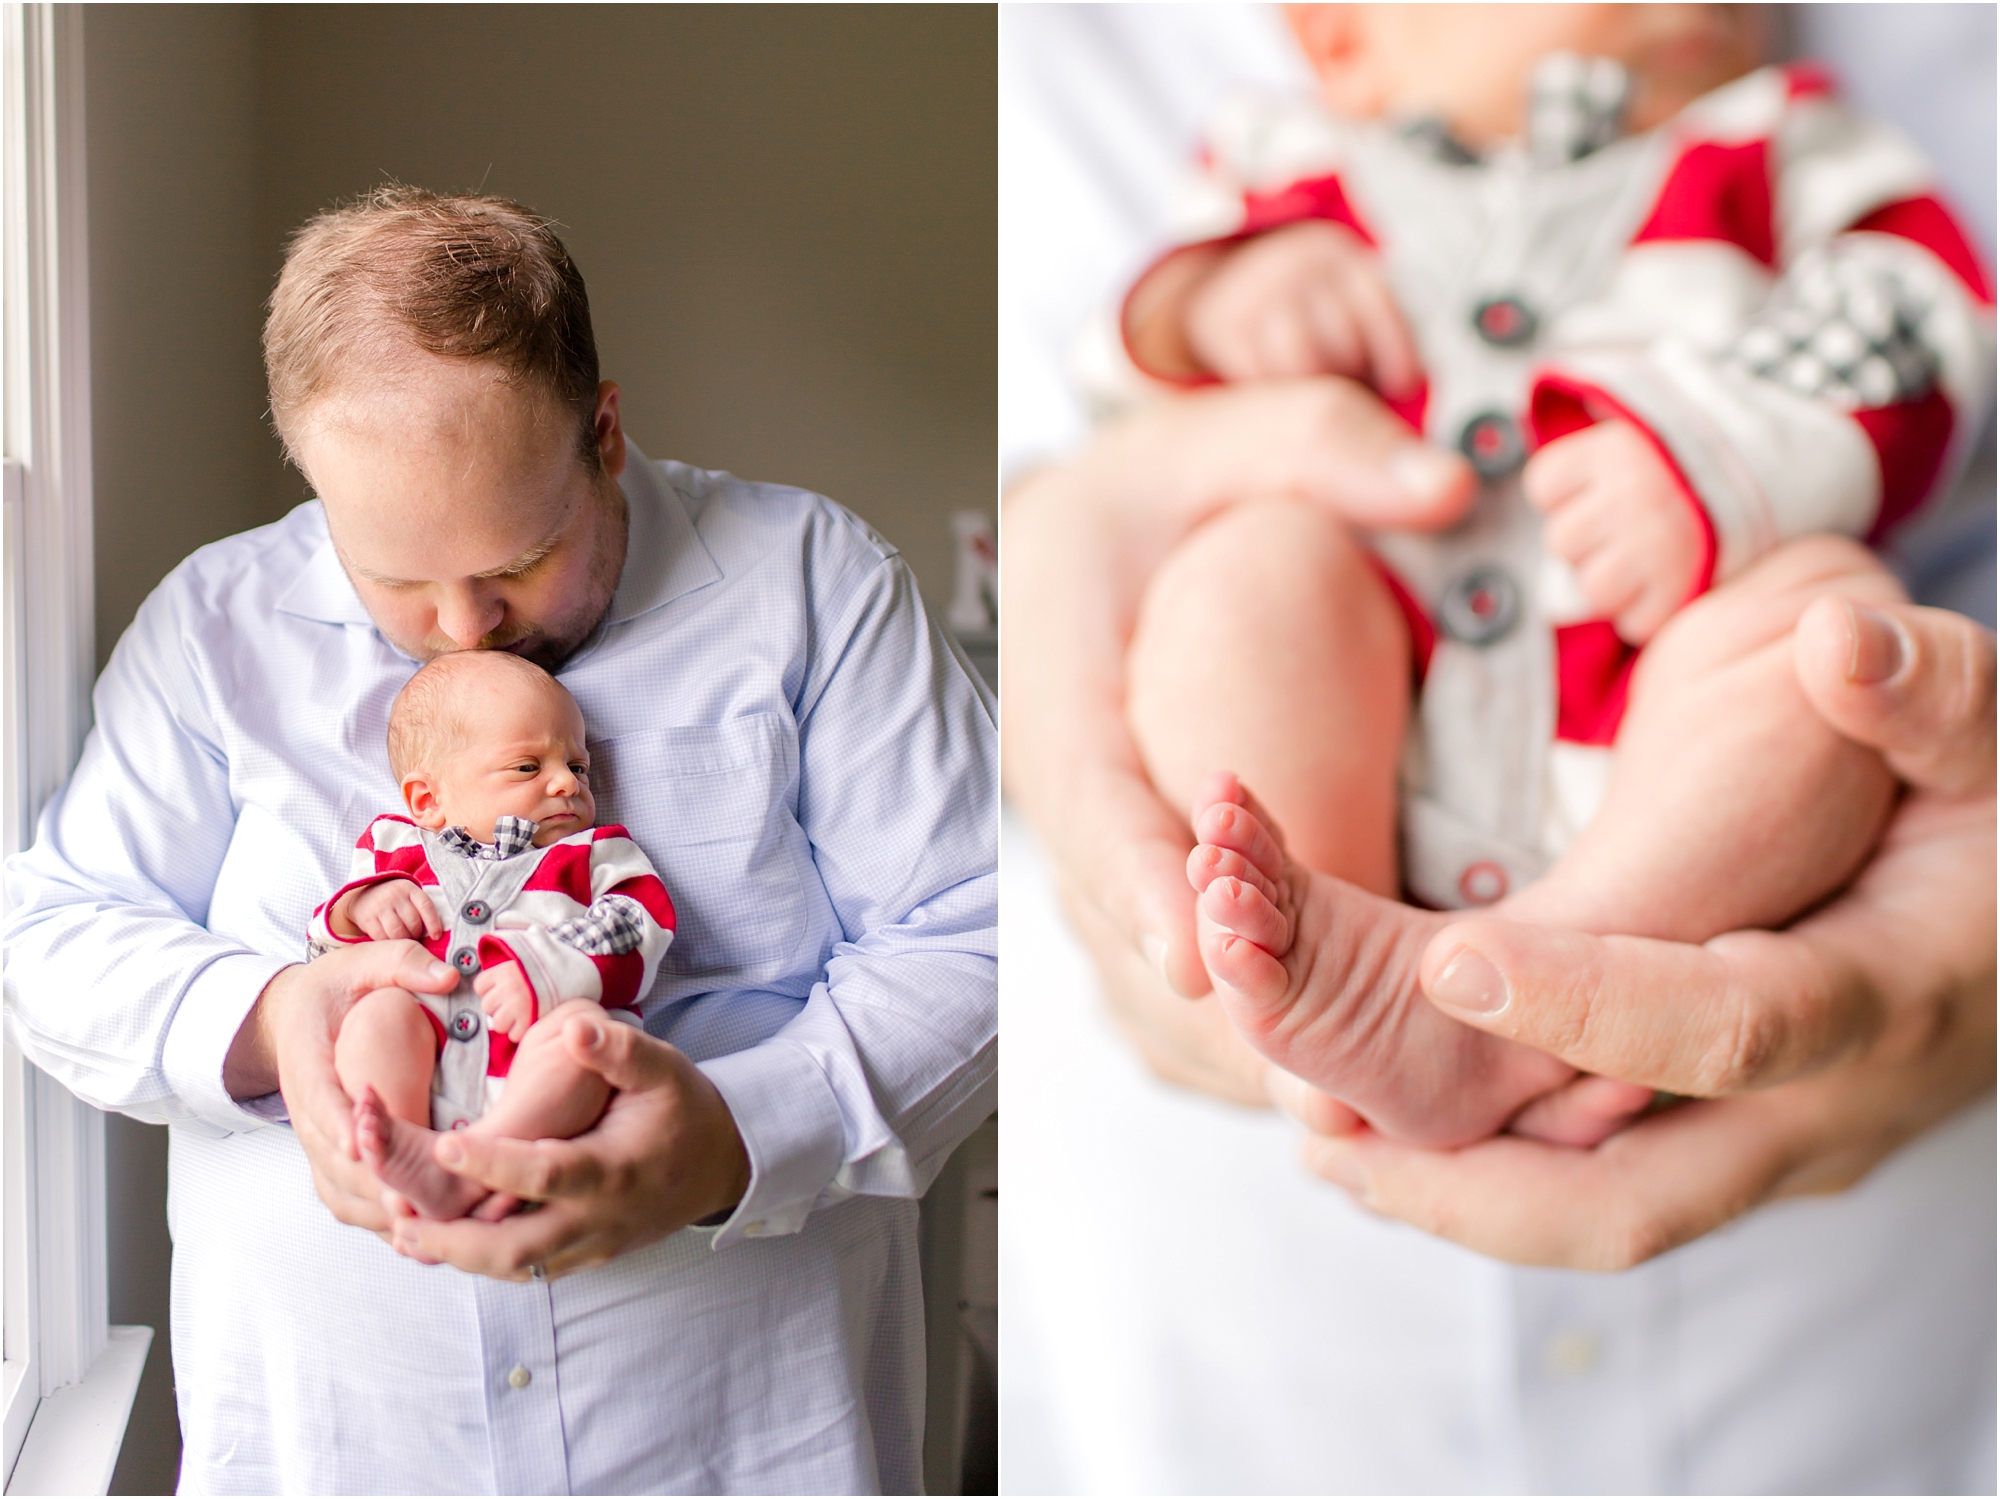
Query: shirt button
[(476, 912), (1492, 443), (754, 1226), (1571, 1353), (1504, 322), (1483, 883), (466, 960), (1480, 607), (518, 1377), (465, 1025)]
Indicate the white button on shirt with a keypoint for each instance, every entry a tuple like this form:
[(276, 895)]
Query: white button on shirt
[(812, 771)]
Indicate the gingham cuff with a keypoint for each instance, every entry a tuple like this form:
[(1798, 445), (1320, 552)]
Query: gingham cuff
[(204, 1027), (790, 1122)]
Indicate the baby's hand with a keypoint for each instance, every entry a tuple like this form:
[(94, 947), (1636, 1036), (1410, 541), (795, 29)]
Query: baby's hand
[(1614, 511), (389, 910), (1308, 299), (506, 998)]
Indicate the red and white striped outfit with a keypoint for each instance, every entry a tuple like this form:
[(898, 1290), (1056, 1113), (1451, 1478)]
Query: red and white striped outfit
[(538, 928), (1767, 286)]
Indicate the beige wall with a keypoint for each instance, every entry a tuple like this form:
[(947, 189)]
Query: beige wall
[(785, 217)]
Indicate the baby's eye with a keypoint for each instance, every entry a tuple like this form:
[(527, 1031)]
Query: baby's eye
[(582, 772), (528, 767)]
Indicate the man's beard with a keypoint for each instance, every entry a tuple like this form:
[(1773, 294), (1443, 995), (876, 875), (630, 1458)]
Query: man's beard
[(550, 643)]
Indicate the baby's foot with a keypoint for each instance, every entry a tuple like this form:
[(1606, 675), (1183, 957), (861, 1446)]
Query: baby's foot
[(1321, 977), (400, 1154)]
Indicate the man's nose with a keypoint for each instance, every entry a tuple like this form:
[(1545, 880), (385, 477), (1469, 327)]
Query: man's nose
[(467, 615)]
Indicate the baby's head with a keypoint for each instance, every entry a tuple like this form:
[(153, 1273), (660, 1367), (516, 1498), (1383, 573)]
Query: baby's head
[(1470, 64), (478, 735)]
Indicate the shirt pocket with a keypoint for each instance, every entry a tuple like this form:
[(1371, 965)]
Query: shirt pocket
[(714, 806)]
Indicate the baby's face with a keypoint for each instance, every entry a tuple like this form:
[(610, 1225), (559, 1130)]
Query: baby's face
[(1471, 64), (524, 758)]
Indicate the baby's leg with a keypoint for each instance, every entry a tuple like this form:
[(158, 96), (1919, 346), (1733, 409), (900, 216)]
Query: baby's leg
[(387, 1043), (1267, 642), (1732, 803), (548, 1096)]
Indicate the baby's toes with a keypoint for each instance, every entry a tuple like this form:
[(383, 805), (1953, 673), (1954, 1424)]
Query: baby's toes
[(1241, 909), (1240, 831), (1207, 864)]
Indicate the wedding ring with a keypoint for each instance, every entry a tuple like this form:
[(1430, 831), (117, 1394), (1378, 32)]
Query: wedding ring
[(537, 1272)]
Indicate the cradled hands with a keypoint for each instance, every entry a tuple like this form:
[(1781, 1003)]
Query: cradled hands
[(1613, 510)]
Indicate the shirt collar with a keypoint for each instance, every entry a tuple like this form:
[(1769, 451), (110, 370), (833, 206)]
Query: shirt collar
[(664, 556), (510, 836)]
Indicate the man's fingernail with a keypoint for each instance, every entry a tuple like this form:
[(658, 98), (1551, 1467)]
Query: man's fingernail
[(450, 1154), (1472, 984), (1422, 471), (442, 970), (593, 1036), (1881, 649)]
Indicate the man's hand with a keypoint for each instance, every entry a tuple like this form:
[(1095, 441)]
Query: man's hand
[(285, 1045), (507, 999), (1307, 299), (1815, 1051), (1613, 510), (390, 910), (665, 1154)]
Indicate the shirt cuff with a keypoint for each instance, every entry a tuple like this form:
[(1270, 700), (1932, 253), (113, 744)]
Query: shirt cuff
[(205, 1024), (790, 1122)]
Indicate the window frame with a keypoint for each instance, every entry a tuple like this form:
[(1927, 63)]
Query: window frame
[(53, 1321)]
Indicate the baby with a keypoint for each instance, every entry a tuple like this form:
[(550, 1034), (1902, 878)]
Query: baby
[(1675, 311), (498, 871)]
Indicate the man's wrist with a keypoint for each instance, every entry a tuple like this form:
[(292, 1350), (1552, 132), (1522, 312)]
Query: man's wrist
[(250, 1070)]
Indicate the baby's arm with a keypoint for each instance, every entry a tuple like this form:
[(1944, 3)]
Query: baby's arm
[(381, 899), (607, 953), (1839, 405)]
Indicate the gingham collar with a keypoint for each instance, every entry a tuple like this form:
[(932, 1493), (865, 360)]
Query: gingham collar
[(511, 835)]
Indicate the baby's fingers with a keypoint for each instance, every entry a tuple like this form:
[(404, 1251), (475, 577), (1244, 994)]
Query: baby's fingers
[(1392, 353), (423, 915)]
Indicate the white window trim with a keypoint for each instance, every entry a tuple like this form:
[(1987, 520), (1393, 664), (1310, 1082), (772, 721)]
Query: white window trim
[(66, 1378)]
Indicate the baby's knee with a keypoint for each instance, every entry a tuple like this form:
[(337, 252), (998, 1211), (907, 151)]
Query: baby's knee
[(1277, 561), (392, 1013)]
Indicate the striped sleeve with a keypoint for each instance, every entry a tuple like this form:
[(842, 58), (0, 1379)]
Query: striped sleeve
[(609, 949)]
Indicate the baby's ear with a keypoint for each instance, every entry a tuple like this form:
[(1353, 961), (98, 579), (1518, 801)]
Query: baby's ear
[(420, 795)]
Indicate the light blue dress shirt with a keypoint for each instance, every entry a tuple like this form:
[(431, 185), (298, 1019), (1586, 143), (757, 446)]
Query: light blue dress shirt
[(812, 770)]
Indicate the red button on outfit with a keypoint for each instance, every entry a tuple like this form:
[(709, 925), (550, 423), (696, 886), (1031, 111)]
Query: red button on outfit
[(1483, 883)]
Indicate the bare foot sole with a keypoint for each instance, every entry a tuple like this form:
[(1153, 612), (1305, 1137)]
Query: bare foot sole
[(400, 1154), (1321, 977)]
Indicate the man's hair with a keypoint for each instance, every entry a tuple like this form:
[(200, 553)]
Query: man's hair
[(461, 275), (430, 718)]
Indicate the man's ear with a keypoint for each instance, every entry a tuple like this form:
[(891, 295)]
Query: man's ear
[(420, 795), (610, 432), (1334, 39)]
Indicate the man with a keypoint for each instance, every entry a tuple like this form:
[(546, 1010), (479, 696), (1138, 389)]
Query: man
[(808, 765)]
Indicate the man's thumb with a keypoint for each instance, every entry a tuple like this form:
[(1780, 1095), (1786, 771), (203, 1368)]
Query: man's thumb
[(1915, 683)]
